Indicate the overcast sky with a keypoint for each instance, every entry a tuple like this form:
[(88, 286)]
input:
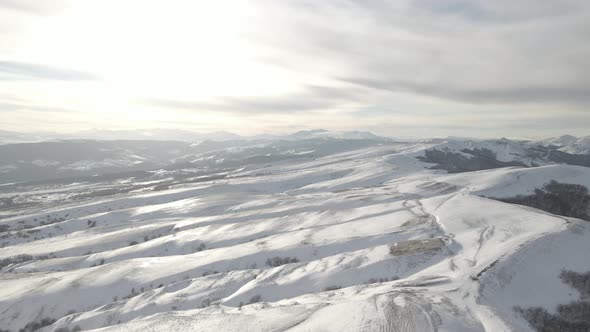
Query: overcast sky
[(516, 68)]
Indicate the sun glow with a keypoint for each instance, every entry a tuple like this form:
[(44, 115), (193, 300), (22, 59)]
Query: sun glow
[(147, 50)]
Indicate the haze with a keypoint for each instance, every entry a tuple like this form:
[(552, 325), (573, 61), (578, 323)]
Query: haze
[(396, 68)]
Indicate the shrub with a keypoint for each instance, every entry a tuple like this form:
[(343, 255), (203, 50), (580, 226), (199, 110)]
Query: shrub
[(564, 199), (454, 162), (37, 325), (541, 320), (571, 317), (15, 260), (381, 280), (332, 288), (76, 328), (575, 311), (205, 303), (278, 261), (579, 281), (255, 299)]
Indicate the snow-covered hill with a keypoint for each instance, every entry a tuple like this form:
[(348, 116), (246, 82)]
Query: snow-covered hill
[(11, 137), (366, 238), (568, 143), (48, 161)]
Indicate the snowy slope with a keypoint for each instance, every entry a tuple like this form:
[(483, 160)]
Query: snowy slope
[(503, 149), (568, 143), (369, 239)]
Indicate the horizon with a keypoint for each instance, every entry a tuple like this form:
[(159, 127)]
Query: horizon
[(412, 68), (159, 135)]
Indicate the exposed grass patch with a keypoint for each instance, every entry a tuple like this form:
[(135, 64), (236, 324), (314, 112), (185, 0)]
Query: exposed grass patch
[(413, 246)]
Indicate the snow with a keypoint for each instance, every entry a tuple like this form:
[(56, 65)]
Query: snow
[(381, 241), (504, 149), (568, 143), (508, 182), (94, 164), (42, 163)]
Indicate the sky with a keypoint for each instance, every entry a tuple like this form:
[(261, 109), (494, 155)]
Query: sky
[(411, 68)]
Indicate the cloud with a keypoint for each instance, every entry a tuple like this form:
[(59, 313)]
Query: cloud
[(495, 12), (11, 70), (33, 6), (245, 105), (15, 107), (312, 98), (348, 63), (576, 94), (470, 51)]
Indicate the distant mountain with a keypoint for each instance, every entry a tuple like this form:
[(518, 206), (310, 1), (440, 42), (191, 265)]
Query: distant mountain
[(322, 133), (559, 141), (74, 158), (159, 134), (9, 137), (307, 134), (155, 134), (568, 143), (40, 161)]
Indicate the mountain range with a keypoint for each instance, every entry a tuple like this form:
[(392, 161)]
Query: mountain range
[(317, 232)]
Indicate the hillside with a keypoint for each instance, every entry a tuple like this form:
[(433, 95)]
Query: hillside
[(370, 236)]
